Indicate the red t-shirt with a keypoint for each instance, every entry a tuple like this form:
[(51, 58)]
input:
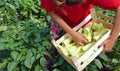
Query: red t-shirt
[(73, 15)]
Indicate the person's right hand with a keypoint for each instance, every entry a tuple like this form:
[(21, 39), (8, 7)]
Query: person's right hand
[(79, 38)]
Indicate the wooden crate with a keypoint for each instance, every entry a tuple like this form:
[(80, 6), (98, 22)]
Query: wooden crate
[(76, 62)]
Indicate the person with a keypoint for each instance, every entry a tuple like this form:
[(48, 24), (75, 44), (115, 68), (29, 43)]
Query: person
[(69, 13)]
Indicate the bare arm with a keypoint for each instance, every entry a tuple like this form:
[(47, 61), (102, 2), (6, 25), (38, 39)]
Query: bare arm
[(116, 27), (109, 43), (76, 36)]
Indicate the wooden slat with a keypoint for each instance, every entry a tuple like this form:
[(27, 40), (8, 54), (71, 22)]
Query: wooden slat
[(91, 58), (106, 17), (88, 18), (93, 15), (104, 23), (62, 38)]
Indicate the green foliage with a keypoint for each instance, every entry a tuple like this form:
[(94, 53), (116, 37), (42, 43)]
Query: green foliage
[(24, 35), (110, 13)]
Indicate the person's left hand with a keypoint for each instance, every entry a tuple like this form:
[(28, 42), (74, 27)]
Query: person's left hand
[(108, 44)]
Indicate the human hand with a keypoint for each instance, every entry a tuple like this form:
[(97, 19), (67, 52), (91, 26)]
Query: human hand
[(108, 44), (79, 38)]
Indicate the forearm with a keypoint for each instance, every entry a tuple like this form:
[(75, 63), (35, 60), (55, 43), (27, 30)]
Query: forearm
[(62, 23), (116, 27)]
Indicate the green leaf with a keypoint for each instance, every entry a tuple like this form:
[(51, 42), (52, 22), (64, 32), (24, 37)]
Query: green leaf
[(19, 57), (25, 39), (28, 63), (33, 50), (104, 57), (46, 53), (59, 62), (42, 61), (46, 43), (35, 10), (14, 55), (107, 65), (115, 60), (92, 67), (11, 6), (11, 66), (37, 68), (23, 68), (38, 56), (32, 60), (29, 54), (56, 70), (3, 65), (22, 58), (98, 63), (2, 46), (3, 28), (48, 18), (117, 69)]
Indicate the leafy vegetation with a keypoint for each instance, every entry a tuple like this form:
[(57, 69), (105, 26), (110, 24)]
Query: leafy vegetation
[(24, 36), (24, 40)]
